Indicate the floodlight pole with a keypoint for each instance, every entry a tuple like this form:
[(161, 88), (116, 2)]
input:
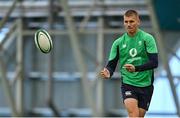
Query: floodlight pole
[(50, 69), (19, 82), (100, 82)]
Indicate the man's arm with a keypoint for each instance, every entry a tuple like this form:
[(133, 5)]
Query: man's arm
[(152, 53), (111, 66), (108, 71), (151, 64)]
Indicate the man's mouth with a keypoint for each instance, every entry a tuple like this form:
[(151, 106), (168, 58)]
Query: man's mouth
[(129, 28)]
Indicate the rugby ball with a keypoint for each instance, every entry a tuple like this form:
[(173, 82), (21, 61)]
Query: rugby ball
[(43, 41)]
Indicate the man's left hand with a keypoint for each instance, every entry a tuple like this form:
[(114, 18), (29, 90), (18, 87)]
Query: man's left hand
[(129, 67)]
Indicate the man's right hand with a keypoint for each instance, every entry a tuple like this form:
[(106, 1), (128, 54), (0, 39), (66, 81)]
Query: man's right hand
[(105, 73)]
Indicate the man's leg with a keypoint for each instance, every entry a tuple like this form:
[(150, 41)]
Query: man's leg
[(142, 112), (131, 105), (144, 100)]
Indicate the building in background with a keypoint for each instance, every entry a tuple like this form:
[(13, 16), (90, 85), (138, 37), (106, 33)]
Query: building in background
[(53, 84)]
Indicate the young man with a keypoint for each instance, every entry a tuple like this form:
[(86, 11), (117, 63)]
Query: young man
[(137, 54)]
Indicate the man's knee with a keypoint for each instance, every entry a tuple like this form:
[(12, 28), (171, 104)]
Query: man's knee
[(133, 113), (131, 105)]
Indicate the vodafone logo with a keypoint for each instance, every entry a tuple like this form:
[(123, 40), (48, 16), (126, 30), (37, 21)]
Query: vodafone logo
[(133, 52)]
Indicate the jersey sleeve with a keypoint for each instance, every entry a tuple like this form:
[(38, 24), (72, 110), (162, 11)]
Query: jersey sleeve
[(113, 58), (114, 52), (150, 43)]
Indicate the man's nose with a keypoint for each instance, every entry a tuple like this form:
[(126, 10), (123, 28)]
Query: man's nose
[(128, 23)]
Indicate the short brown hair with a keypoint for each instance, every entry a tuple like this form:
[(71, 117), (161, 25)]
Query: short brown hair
[(131, 12)]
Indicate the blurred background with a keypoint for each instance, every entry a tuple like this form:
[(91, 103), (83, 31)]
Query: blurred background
[(65, 82)]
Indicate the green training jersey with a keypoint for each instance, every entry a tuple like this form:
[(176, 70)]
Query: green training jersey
[(133, 50)]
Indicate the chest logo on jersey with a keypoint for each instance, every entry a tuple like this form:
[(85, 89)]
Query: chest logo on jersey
[(124, 46), (140, 43), (133, 52)]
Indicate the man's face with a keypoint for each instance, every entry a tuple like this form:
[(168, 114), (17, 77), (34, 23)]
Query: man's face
[(131, 24)]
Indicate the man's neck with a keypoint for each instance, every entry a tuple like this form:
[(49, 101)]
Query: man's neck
[(132, 34)]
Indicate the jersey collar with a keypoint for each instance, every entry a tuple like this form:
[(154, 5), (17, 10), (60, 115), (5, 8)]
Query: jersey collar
[(134, 35)]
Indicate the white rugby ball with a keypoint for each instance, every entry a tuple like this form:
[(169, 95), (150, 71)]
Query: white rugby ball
[(43, 41)]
